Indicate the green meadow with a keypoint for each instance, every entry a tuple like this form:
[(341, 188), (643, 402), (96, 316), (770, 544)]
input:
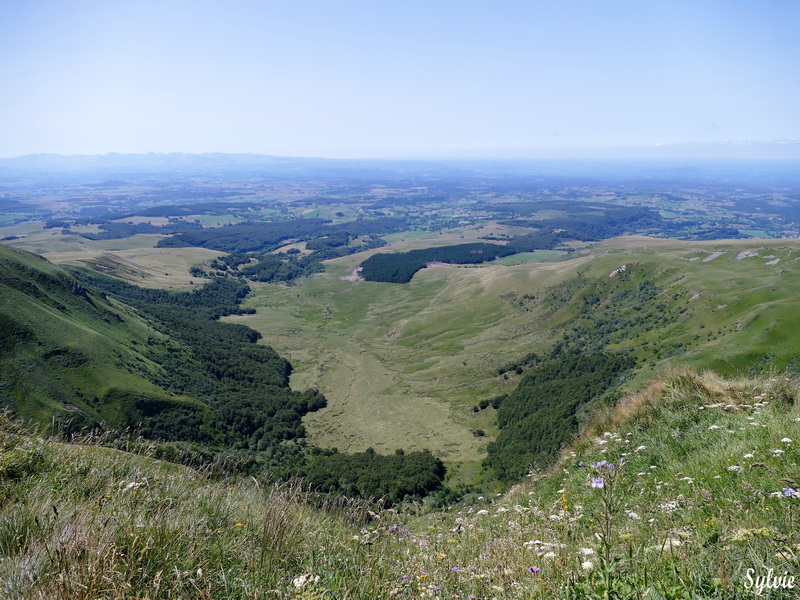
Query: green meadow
[(402, 365)]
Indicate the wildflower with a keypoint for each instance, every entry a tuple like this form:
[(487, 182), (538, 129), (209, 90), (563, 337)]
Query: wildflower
[(587, 565), (302, 580), (533, 569), (777, 451), (790, 493), (669, 506), (239, 525), (714, 427), (454, 569), (394, 528), (423, 575), (602, 463), (786, 440), (735, 468), (581, 464), (748, 455), (586, 551), (598, 483)]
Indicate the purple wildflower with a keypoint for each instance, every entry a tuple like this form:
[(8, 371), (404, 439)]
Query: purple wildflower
[(602, 463), (788, 492), (396, 529), (581, 464), (454, 569), (598, 483), (533, 569)]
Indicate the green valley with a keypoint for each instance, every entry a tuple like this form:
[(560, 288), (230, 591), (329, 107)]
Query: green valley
[(496, 385)]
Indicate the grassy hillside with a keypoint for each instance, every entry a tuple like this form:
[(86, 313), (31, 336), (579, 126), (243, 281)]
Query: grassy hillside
[(676, 493), (169, 369), (67, 350)]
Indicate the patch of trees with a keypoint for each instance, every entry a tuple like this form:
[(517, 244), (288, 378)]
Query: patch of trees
[(219, 297), (284, 266), (247, 237), (401, 266), (718, 233), (394, 478), (334, 240), (540, 415), (270, 269), (115, 231), (252, 237), (53, 223), (245, 384), (591, 224)]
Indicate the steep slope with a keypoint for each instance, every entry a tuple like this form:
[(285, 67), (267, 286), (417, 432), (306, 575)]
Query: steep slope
[(688, 489), (168, 368), (69, 352)]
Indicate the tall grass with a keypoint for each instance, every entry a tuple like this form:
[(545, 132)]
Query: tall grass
[(675, 493)]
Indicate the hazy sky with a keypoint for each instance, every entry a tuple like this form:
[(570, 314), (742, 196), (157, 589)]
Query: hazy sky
[(433, 78)]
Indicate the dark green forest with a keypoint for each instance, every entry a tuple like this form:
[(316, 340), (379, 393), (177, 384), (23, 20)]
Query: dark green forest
[(540, 415), (393, 477), (252, 237), (246, 384)]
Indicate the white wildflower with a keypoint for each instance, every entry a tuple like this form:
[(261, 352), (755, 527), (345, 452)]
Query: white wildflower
[(714, 427), (748, 455), (299, 582), (669, 506), (587, 565), (586, 551), (735, 468), (786, 440)]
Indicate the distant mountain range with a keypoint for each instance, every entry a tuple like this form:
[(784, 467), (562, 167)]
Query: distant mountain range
[(647, 166)]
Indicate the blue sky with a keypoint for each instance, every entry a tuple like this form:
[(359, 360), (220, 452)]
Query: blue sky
[(399, 79)]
